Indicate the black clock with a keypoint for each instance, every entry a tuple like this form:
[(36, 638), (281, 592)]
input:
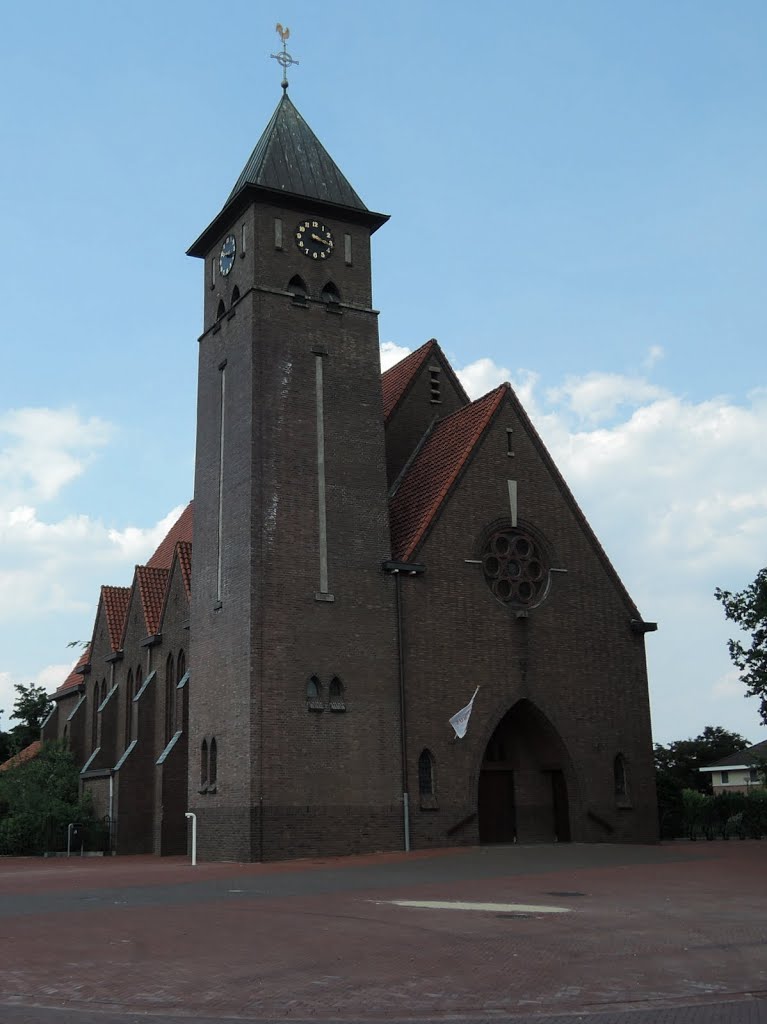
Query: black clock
[(227, 254), (314, 239)]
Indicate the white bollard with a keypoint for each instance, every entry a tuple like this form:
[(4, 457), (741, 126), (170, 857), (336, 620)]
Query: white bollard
[(190, 814)]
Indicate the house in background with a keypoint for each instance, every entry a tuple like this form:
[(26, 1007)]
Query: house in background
[(738, 772)]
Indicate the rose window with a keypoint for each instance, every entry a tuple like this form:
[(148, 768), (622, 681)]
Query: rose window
[(514, 568)]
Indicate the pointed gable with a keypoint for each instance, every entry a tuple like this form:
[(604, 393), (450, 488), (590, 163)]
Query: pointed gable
[(435, 469), (181, 531), (152, 584), (397, 379), (75, 677), (290, 158), (115, 601)]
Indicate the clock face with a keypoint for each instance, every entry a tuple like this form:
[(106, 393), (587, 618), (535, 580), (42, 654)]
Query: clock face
[(226, 257), (314, 240)]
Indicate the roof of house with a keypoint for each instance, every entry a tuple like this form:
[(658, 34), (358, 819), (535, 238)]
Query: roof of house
[(180, 531), (290, 158), (116, 601), (435, 469), (741, 758), (184, 554), (397, 379), (152, 584), (23, 755), (75, 677)]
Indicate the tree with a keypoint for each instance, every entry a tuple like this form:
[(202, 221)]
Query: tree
[(30, 709), (676, 770), (748, 608), (38, 799)]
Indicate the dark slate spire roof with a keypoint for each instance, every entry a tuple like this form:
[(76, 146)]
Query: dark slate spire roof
[(290, 158)]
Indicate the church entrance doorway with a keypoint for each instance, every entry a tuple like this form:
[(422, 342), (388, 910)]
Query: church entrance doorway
[(522, 793)]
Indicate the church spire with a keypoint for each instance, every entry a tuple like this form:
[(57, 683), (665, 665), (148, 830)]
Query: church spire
[(284, 58)]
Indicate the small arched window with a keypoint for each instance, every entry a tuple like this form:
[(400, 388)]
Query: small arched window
[(204, 766), (235, 294), (95, 718), (212, 765), (620, 779), (426, 774), (330, 294), (337, 702), (314, 694), (221, 309), (170, 698), (297, 288)]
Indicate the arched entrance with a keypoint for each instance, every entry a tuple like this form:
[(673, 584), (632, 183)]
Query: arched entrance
[(522, 781)]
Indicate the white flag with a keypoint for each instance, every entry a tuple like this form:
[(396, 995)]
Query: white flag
[(460, 720)]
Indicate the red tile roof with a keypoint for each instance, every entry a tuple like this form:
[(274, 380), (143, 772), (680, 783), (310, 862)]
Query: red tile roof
[(435, 469), (23, 755), (75, 677), (184, 553), (180, 531), (152, 584), (116, 601), (398, 378)]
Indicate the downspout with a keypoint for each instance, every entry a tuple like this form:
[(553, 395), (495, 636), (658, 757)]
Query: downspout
[(111, 773), (402, 712)]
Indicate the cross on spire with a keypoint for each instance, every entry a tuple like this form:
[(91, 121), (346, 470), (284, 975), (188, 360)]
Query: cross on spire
[(284, 59)]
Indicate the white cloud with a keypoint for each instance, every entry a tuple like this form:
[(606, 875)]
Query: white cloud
[(45, 449), (595, 397), (391, 354), (654, 355)]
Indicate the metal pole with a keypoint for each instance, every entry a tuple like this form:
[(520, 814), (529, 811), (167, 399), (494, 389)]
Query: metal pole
[(189, 814)]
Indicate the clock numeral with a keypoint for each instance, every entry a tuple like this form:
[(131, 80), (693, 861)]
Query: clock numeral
[(315, 224)]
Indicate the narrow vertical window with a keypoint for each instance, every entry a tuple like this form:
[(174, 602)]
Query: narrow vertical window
[(435, 384), (314, 694), (425, 774), (620, 779), (128, 705), (203, 766), (243, 240), (337, 702), (509, 441), (170, 698), (348, 250), (212, 764), (95, 718), (277, 233), (213, 272)]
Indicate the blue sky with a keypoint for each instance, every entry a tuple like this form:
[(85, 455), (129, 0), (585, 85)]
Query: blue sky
[(578, 204)]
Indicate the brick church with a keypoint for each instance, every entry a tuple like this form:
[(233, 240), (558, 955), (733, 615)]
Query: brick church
[(363, 551)]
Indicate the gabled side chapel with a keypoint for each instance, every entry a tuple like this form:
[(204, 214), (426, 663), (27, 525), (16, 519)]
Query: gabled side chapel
[(368, 550)]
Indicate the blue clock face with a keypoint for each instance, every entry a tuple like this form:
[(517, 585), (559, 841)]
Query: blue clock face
[(226, 258)]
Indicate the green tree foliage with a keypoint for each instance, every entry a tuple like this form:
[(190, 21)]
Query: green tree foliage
[(38, 799), (676, 770), (30, 709), (748, 609)]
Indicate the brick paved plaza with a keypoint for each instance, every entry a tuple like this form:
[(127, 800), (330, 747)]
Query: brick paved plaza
[(674, 933)]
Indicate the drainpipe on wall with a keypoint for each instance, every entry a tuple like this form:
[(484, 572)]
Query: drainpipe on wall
[(396, 569)]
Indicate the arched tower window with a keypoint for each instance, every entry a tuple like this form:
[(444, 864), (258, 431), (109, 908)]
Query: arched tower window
[(212, 765), (235, 294), (170, 698), (330, 294), (337, 702), (297, 288), (204, 766), (221, 309)]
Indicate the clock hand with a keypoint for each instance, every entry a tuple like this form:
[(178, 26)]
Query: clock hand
[(324, 241)]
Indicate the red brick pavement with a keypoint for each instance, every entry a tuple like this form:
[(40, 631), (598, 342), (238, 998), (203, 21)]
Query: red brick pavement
[(649, 928)]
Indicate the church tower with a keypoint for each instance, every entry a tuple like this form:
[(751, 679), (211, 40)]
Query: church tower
[(294, 705)]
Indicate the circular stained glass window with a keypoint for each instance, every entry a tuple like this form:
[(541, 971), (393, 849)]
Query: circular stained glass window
[(514, 568)]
